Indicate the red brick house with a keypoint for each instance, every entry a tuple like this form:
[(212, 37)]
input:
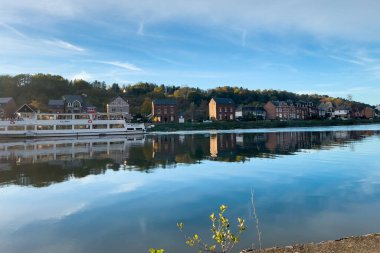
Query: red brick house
[(368, 113), (287, 110), (165, 111), (221, 109)]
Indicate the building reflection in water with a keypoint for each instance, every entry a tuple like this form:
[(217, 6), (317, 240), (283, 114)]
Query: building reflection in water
[(43, 162)]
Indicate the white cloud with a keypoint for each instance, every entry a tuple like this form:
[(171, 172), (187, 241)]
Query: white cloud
[(354, 19), (124, 65), (65, 45), (83, 75)]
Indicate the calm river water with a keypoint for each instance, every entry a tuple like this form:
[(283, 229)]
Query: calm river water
[(127, 194)]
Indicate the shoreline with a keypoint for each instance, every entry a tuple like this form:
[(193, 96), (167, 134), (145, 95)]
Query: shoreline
[(369, 243), (243, 125)]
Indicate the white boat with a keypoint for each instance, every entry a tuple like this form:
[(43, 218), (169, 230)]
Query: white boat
[(57, 125)]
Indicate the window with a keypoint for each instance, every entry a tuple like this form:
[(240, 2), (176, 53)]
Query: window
[(63, 117), (158, 111), (81, 126), (41, 127), (16, 128), (85, 116), (99, 126), (30, 127), (117, 126), (165, 110), (64, 127), (76, 104), (45, 117)]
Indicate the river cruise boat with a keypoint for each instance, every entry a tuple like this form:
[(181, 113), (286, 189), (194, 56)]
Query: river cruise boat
[(58, 125)]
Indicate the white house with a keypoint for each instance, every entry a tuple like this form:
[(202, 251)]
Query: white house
[(342, 112)]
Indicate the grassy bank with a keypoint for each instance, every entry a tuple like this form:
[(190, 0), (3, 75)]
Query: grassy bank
[(257, 124)]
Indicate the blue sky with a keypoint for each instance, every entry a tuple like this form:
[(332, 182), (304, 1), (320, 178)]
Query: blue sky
[(324, 47)]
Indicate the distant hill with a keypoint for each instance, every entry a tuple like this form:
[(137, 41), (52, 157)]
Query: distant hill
[(38, 89)]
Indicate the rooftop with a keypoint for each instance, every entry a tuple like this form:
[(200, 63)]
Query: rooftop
[(56, 102), (5, 100), (72, 98), (164, 102), (224, 101)]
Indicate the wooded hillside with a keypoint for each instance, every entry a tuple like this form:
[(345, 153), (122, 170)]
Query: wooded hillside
[(38, 89)]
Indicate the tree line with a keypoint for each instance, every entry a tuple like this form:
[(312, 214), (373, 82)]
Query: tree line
[(37, 89)]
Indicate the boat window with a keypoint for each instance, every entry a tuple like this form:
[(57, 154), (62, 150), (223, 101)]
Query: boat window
[(16, 128), (99, 126), (45, 117), (30, 127), (2, 128), (81, 126), (61, 117), (82, 116), (40, 127), (130, 129), (116, 125), (64, 127)]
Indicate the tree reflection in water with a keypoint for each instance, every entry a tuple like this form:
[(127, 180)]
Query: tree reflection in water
[(42, 162)]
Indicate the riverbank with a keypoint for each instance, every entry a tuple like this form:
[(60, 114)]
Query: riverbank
[(257, 124), (356, 244)]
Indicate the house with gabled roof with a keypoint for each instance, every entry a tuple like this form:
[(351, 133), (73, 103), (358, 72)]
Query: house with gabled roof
[(118, 105), (221, 109), (74, 104), (26, 111)]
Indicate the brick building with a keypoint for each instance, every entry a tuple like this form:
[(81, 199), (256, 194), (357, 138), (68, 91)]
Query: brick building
[(221, 109), (368, 113), (165, 111), (284, 110), (287, 110)]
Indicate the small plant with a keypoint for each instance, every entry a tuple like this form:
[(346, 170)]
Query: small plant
[(156, 250), (223, 238)]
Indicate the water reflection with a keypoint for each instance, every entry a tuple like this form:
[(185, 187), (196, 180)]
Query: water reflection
[(44, 162)]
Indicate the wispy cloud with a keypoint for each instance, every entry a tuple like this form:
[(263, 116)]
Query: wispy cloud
[(353, 61), (124, 65), (65, 45), (140, 30), (13, 30)]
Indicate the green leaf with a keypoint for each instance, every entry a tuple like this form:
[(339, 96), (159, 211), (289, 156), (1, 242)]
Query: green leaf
[(151, 250)]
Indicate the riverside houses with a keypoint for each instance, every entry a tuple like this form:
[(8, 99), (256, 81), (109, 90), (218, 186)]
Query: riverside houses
[(285, 110), (250, 112), (165, 111), (221, 109)]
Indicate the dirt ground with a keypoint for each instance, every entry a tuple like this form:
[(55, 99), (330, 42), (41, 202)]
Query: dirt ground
[(357, 244)]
